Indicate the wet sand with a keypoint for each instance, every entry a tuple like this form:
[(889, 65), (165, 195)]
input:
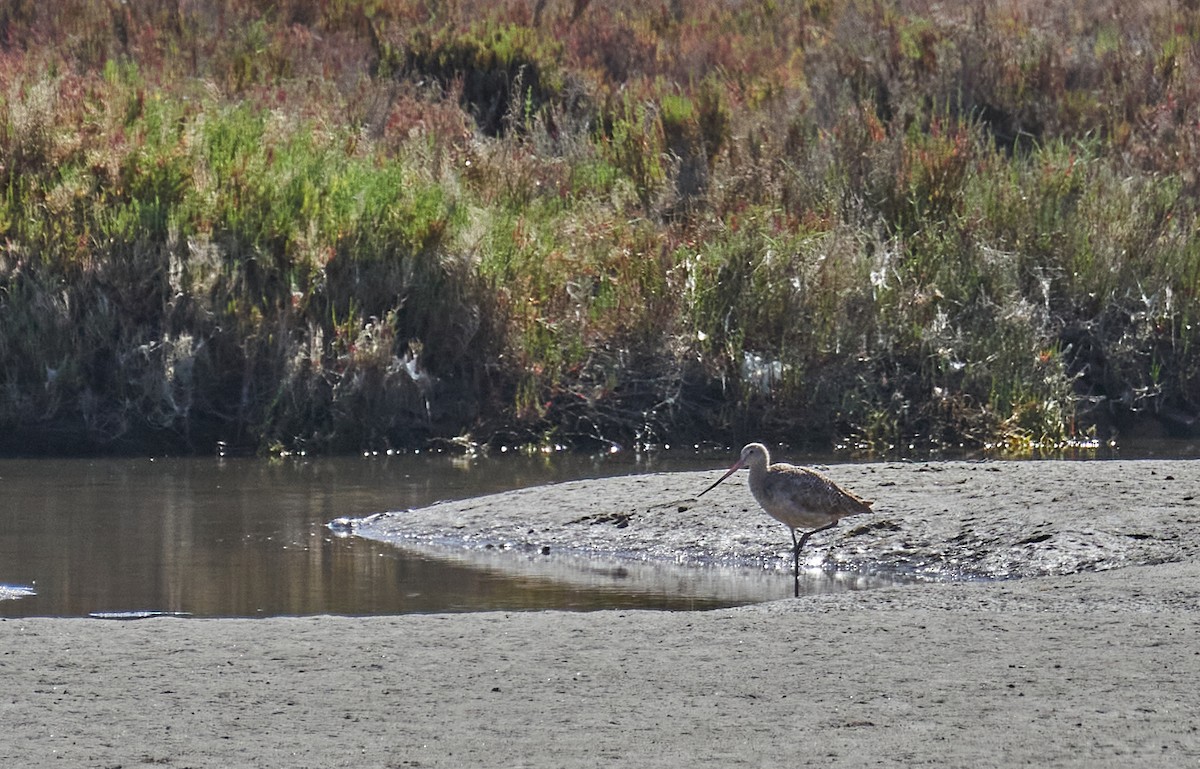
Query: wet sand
[(1088, 659)]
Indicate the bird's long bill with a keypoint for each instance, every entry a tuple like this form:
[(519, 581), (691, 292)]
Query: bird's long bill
[(736, 466)]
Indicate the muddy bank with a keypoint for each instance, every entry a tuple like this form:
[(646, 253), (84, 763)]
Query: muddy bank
[(1095, 669), (1078, 664), (944, 520)]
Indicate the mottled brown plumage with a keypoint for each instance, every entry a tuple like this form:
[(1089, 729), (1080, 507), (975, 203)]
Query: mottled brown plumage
[(796, 497)]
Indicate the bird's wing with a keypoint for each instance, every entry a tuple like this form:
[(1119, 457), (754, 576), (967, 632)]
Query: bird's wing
[(808, 490)]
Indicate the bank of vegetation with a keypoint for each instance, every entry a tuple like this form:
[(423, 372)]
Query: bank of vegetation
[(338, 226)]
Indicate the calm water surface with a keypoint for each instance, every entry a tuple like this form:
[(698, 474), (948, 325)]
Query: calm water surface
[(247, 537)]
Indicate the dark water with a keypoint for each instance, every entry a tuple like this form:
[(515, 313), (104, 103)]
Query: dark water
[(247, 537)]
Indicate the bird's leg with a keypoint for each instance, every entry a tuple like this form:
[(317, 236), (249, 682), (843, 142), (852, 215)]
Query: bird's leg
[(808, 534), (796, 565), (798, 546)]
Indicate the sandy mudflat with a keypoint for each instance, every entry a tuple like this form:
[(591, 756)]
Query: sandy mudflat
[(966, 519), (1092, 659)]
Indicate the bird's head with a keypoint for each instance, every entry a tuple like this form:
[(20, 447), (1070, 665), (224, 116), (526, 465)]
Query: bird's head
[(752, 454)]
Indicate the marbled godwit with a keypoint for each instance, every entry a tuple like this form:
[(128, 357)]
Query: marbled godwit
[(796, 497)]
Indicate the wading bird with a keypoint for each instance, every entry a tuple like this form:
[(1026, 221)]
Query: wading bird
[(796, 497)]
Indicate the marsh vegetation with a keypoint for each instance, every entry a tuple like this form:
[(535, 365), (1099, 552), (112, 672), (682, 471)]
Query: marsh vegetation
[(337, 226)]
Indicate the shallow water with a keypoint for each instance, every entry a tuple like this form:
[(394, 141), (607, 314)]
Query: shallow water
[(248, 537)]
